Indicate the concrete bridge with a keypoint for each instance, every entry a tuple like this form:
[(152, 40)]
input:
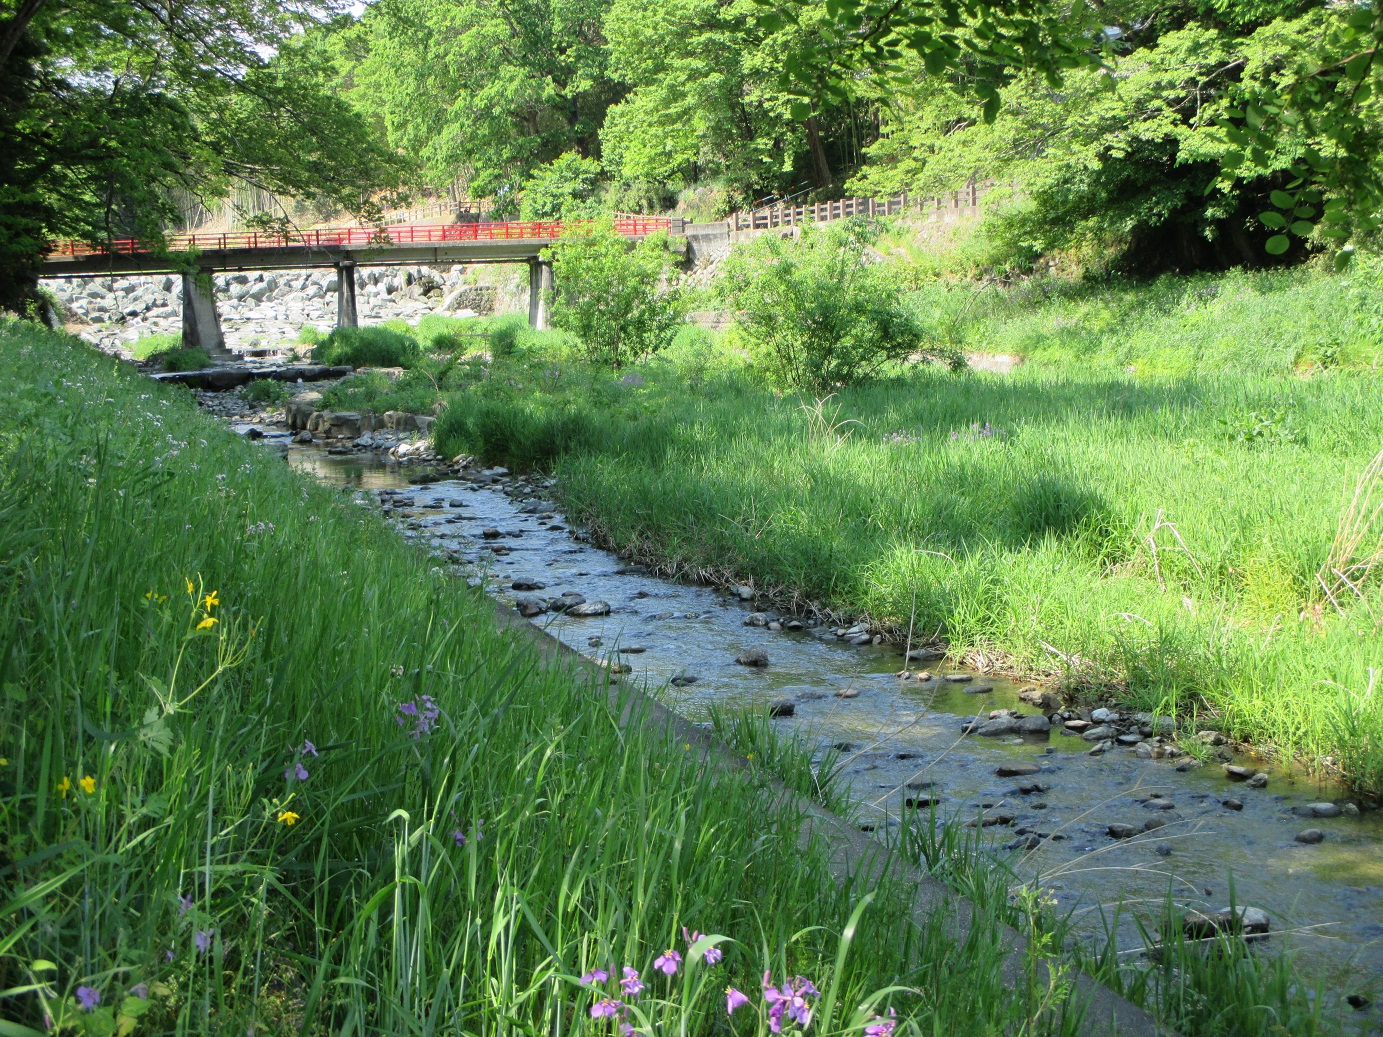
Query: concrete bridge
[(197, 256)]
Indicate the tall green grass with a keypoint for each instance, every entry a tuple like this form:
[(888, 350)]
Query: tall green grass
[(185, 623), (1159, 533)]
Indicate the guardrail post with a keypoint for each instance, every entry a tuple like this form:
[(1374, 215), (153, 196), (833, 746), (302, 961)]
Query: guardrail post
[(201, 326), (539, 292), (346, 316)]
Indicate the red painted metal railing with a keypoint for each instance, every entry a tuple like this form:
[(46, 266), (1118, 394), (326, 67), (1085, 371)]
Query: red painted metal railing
[(365, 237)]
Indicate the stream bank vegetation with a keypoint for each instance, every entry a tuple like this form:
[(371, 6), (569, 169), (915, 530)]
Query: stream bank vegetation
[(267, 767), (1170, 496)]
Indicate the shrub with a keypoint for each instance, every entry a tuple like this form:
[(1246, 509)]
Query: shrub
[(184, 358), (266, 392), (563, 189), (153, 345), (612, 297), (818, 313), (310, 335), (367, 347), (505, 333)]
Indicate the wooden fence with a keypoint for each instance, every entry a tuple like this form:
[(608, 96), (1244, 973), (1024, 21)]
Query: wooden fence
[(952, 205)]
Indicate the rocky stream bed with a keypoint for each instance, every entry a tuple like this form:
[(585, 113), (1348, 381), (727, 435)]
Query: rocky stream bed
[(1100, 806)]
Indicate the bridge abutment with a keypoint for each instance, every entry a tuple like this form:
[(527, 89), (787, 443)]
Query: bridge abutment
[(201, 325), (539, 292), (346, 315)]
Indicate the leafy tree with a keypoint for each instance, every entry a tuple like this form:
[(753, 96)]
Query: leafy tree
[(614, 296), (819, 311), (485, 91), (111, 108), (565, 188)]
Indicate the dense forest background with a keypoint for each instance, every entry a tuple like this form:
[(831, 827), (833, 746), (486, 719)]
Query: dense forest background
[(1139, 134)]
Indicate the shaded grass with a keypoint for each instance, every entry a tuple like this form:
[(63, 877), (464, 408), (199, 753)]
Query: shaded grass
[(160, 847)]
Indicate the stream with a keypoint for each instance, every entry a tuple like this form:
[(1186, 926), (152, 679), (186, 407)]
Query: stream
[(900, 740)]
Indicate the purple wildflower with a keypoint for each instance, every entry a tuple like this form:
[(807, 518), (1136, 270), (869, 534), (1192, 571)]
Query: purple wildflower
[(790, 1000), (168, 954), (595, 976), (625, 1030), (424, 713), (667, 962), (605, 1008), (631, 984), (184, 903), (881, 1027), (88, 998), (140, 990), (459, 836), (308, 748), (297, 771), (202, 940), (712, 955), (734, 999)]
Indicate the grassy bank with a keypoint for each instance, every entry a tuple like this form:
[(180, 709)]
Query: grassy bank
[(1146, 502), (266, 769)]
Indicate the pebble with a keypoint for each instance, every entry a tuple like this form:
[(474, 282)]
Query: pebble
[(752, 657), (1018, 769), (1311, 836)]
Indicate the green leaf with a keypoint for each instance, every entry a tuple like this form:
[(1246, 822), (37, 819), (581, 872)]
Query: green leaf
[(800, 111), (1343, 258), (770, 21), (1303, 212), (1277, 244), (1275, 220), (1303, 228), (1357, 65), (1232, 160), (1282, 200)]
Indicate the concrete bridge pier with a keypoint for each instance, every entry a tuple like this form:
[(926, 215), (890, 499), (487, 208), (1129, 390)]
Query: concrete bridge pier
[(539, 292), (201, 325), (345, 295)]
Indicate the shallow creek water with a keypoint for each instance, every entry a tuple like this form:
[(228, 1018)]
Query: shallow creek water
[(902, 740)]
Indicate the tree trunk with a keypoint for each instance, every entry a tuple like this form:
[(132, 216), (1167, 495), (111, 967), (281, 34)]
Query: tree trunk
[(821, 169)]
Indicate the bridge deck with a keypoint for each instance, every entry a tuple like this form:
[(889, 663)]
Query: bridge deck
[(409, 244)]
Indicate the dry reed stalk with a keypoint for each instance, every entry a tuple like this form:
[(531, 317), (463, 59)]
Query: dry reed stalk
[(1358, 544)]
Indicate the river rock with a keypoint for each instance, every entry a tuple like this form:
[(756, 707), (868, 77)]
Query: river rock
[(1310, 836), (530, 606), (1234, 772), (997, 727), (1318, 810), (924, 655), (1249, 922), (744, 592), (756, 619), (523, 583), (682, 680), (1231, 804), (1210, 737), (848, 693), (1017, 769), (1098, 733), (590, 608), (1121, 831), (566, 601), (1104, 716), (752, 657), (1043, 699), (1038, 725), (959, 678), (861, 639), (1129, 739), (491, 533), (1258, 781), (979, 689), (1077, 726), (781, 708)]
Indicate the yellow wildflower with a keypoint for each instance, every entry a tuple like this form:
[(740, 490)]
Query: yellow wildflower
[(211, 599), (207, 623), (65, 786), (88, 785), (288, 817), (190, 588)]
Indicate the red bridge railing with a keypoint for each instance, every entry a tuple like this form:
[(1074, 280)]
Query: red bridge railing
[(364, 237)]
